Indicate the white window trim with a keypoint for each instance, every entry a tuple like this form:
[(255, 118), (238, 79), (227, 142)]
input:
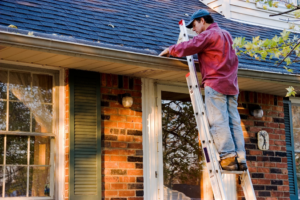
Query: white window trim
[(59, 144), (152, 137)]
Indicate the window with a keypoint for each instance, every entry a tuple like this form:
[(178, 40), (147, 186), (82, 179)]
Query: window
[(26, 130)]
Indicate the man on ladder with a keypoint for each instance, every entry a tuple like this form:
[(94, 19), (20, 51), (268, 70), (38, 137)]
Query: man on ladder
[(219, 66)]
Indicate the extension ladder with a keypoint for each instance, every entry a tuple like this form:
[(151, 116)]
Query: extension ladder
[(209, 150)]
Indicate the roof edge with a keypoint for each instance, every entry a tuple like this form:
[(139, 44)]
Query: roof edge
[(122, 56)]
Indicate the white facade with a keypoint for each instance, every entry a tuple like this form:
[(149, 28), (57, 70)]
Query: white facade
[(253, 12)]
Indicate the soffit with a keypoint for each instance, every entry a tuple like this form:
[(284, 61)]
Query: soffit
[(248, 81)]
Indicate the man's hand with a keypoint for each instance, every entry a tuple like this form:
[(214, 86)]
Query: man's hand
[(165, 53)]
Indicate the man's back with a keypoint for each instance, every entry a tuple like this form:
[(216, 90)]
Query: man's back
[(217, 59)]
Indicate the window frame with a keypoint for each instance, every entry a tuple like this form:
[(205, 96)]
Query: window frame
[(52, 136)]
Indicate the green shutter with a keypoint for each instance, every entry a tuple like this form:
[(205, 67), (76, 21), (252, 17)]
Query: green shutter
[(85, 136), (290, 150)]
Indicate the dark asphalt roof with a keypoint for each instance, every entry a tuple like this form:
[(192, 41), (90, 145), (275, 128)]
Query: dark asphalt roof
[(144, 25)]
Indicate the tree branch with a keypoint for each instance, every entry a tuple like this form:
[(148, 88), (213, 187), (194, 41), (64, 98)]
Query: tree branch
[(289, 53), (285, 12)]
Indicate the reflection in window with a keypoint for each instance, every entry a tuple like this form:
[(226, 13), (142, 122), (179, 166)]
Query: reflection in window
[(182, 157), (26, 105), (296, 132)]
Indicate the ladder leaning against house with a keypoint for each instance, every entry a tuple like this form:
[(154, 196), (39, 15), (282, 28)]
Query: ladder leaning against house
[(209, 150)]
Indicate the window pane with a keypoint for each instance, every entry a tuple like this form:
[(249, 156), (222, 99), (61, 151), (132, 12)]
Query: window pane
[(19, 117), (182, 157), (15, 181), (1, 149), (296, 125), (39, 181), (16, 150), (3, 84), (40, 125), (1, 180), (3, 105), (39, 150), (42, 87), (19, 86)]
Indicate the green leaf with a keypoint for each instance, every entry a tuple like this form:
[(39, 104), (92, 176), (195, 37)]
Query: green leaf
[(288, 61), (270, 3), (290, 91), (289, 70)]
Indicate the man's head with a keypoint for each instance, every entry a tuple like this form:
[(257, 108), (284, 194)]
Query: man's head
[(200, 21)]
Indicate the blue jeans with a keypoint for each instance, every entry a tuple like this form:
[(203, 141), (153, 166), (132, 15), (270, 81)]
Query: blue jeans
[(225, 124)]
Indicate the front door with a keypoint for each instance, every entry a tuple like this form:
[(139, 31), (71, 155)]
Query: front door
[(181, 165)]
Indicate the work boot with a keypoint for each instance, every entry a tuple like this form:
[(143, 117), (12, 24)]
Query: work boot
[(229, 164), (242, 166)]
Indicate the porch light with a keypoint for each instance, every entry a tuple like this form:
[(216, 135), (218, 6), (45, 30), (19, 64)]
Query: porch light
[(125, 99), (255, 110)]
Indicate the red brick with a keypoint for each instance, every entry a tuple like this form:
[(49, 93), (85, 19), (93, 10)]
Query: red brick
[(110, 193), (270, 176), (114, 80), (138, 126), (118, 144), (105, 158), (103, 80), (115, 105), (118, 186), (125, 138), (109, 111), (109, 124), (264, 170), (255, 152), (282, 177), (135, 146), (273, 136), (111, 179), (127, 179), (134, 119), (269, 130), (110, 164), (127, 152), (274, 148), (118, 158), (135, 172), (252, 169), (127, 165), (111, 151), (269, 164), (276, 194), (105, 91), (272, 125), (255, 129), (125, 125), (278, 131), (282, 143), (117, 91), (277, 108), (283, 188), (247, 123), (127, 193), (263, 181), (138, 139), (136, 198), (126, 112)]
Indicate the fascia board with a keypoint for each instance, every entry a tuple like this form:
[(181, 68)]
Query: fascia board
[(126, 57)]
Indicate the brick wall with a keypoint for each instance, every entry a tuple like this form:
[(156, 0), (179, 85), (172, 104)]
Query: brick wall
[(268, 169), (122, 154)]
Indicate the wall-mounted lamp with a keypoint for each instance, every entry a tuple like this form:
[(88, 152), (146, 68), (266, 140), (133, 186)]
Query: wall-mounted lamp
[(125, 99), (255, 110)]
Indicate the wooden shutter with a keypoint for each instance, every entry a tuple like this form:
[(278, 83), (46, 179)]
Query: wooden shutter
[(85, 136), (290, 150)]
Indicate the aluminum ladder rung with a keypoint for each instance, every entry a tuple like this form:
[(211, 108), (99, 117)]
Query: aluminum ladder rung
[(208, 147)]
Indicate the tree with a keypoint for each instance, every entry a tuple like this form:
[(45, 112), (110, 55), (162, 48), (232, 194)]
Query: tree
[(285, 48)]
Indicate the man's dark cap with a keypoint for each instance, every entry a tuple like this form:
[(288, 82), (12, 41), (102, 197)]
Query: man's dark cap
[(197, 14)]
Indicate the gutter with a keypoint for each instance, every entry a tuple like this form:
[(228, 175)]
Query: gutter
[(113, 53)]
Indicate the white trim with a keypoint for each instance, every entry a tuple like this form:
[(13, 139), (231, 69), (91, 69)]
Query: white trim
[(149, 139), (30, 65), (295, 99), (60, 180)]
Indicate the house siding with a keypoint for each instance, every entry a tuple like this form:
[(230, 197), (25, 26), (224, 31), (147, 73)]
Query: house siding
[(268, 169)]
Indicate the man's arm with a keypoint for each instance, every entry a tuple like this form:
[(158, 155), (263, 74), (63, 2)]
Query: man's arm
[(191, 47)]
